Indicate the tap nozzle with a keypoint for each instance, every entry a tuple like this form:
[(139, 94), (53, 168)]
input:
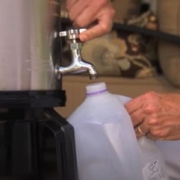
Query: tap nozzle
[(78, 65)]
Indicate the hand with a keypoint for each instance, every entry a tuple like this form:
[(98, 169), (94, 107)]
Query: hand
[(84, 13), (156, 115)]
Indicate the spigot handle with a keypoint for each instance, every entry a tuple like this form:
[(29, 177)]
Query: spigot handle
[(72, 33)]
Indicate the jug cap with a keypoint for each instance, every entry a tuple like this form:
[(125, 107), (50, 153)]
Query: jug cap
[(96, 88)]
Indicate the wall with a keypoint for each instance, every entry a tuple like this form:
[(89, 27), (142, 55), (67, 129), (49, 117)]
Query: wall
[(75, 88)]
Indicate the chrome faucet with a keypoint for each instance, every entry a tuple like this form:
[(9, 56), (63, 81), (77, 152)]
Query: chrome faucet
[(78, 65)]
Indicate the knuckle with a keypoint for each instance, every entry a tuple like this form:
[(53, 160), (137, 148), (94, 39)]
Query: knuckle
[(105, 28), (150, 95), (151, 109), (153, 121)]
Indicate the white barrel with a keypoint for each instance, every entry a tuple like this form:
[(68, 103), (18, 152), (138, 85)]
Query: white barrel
[(26, 44)]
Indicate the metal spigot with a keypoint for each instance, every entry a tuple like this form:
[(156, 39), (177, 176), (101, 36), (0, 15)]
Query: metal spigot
[(78, 65)]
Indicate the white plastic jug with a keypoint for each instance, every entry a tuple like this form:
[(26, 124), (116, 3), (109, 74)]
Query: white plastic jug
[(153, 165), (170, 151), (106, 145)]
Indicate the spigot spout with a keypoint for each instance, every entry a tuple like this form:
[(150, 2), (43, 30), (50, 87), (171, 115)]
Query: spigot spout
[(78, 66)]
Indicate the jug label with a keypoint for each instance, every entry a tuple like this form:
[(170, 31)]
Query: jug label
[(153, 171)]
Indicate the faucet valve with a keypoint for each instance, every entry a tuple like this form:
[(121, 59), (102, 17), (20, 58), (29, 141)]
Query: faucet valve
[(73, 36), (78, 65)]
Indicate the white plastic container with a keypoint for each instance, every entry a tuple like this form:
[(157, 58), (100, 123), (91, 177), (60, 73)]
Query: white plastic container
[(106, 145), (170, 151), (153, 165)]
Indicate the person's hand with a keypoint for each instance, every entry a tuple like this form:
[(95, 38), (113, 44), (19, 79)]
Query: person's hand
[(84, 13), (156, 115)]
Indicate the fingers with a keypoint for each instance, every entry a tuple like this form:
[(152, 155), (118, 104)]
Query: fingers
[(155, 116), (86, 18), (77, 10), (141, 123), (139, 132), (146, 128), (137, 117), (142, 130), (134, 104), (103, 27), (70, 3), (84, 13)]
